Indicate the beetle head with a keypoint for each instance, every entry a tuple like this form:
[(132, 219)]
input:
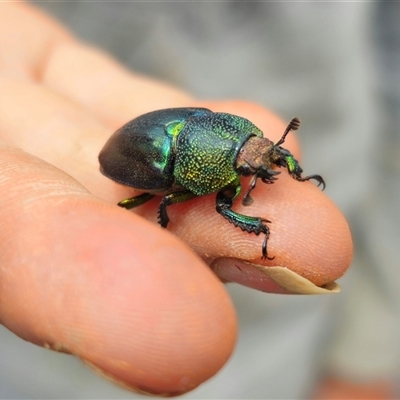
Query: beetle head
[(260, 157), (284, 158)]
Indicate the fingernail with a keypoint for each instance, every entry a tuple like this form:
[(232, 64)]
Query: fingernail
[(57, 346), (275, 279)]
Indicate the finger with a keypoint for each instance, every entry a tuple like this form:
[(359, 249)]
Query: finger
[(27, 38), (36, 47), (50, 126), (114, 94), (335, 254), (82, 276), (55, 128)]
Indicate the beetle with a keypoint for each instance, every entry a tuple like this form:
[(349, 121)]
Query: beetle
[(182, 153)]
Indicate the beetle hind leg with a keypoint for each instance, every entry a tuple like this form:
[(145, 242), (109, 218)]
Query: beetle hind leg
[(172, 198), (136, 201), (254, 225)]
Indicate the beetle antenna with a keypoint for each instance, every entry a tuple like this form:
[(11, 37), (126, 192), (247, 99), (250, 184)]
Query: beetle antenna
[(294, 124)]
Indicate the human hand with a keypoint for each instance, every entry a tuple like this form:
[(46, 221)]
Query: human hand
[(79, 274), (334, 388)]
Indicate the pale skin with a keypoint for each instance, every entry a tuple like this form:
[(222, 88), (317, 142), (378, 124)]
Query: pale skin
[(81, 275)]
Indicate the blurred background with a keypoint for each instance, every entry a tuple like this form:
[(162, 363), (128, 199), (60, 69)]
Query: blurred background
[(335, 65)]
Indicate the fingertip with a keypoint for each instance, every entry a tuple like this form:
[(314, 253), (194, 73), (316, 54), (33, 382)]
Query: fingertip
[(173, 323), (312, 238), (125, 296), (308, 233)]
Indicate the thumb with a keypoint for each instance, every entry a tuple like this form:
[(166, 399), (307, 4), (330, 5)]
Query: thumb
[(82, 276)]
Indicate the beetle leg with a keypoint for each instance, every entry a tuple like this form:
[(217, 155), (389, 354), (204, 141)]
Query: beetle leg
[(172, 198), (267, 175), (318, 178), (247, 199), (135, 201), (254, 225)]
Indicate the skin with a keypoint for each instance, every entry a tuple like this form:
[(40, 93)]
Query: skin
[(81, 275)]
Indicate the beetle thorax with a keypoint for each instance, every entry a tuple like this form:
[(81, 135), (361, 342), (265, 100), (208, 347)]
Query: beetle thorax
[(256, 153)]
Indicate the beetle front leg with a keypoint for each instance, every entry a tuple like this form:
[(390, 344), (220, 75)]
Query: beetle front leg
[(247, 199), (254, 225), (317, 178), (172, 198), (267, 175)]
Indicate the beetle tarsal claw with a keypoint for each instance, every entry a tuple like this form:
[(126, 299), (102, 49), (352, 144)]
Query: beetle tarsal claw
[(318, 178), (247, 200), (264, 248)]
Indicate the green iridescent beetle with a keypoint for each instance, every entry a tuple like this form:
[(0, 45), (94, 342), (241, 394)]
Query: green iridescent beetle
[(181, 153)]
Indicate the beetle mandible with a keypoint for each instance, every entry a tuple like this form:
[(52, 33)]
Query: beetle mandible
[(181, 153)]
